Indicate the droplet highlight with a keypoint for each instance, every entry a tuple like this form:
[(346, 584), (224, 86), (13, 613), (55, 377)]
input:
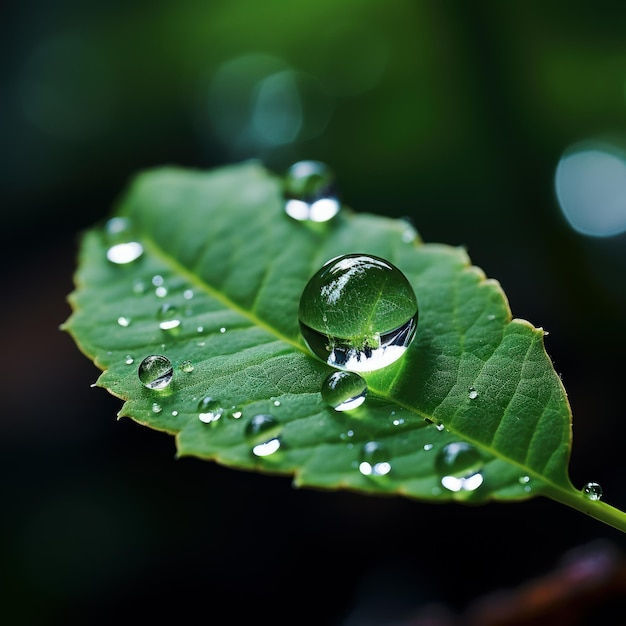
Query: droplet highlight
[(344, 391), (460, 466), (155, 372), (358, 313), (310, 192)]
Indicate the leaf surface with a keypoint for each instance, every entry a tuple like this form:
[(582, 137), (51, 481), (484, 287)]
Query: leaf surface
[(220, 252)]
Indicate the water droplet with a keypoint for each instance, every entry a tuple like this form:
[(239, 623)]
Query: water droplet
[(222, 330), (439, 426), (188, 294), (139, 287), (187, 366), (276, 402), (210, 410), (344, 391), (472, 393), (262, 433), (491, 317), (155, 371), (123, 248), (525, 480), (428, 446), (168, 316), (129, 359), (156, 407), (123, 321), (235, 412), (158, 280), (374, 459), (460, 466), (358, 313), (593, 491), (174, 413), (160, 292), (310, 192)]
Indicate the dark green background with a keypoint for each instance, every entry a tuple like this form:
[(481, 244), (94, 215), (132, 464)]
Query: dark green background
[(453, 114)]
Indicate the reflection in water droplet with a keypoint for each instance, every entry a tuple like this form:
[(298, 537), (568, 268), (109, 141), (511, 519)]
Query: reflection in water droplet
[(472, 393), (374, 459), (310, 192), (460, 466), (187, 366), (262, 433), (358, 313), (344, 391), (593, 491), (155, 371), (210, 410)]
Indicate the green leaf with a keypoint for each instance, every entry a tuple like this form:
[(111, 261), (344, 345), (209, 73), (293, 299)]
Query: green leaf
[(222, 258)]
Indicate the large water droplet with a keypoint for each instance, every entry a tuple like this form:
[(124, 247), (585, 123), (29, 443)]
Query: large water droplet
[(262, 433), (155, 371), (358, 312), (344, 391), (460, 466), (374, 459), (593, 491), (210, 410), (310, 192)]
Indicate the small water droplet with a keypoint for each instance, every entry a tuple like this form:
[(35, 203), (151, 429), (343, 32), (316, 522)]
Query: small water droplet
[(347, 435), (491, 317), (439, 426), (593, 491), (409, 233), (187, 366), (358, 313), (160, 292), (129, 359), (428, 446), (139, 287), (460, 466), (158, 280), (374, 460), (210, 409), (472, 393), (344, 391), (222, 330), (310, 192), (123, 321), (276, 402), (156, 407), (123, 248), (155, 371), (188, 294), (262, 433), (168, 316), (174, 413), (235, 412)]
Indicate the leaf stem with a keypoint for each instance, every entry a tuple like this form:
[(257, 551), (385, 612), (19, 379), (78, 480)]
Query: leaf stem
[(594, 508)]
